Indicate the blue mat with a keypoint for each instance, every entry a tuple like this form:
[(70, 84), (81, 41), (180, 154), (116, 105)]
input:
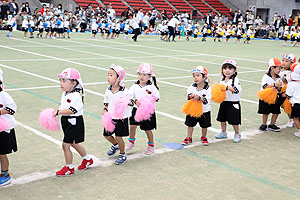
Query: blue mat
[(173, 146)]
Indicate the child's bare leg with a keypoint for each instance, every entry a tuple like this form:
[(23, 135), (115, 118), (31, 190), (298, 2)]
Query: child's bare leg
[(68, 153)]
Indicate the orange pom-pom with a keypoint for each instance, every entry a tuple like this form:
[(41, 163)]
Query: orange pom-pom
[(193, 108), (283, 89), (268, 95), (287, 106), (218, 92)]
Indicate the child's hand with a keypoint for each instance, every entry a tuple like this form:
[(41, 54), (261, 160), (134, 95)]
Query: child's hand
[(197, 98), (192, 96), (55, 112), (278, 84), (283, 95), (223, 88), (138, 103)]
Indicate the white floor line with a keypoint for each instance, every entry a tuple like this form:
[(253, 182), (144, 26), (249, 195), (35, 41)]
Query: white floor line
[(189, 52), (173, 57), (98, 54), (91, 66), (252, 70), (78, 59)]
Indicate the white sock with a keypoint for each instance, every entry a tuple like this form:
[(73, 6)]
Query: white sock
[(86, 157), (71, 166)]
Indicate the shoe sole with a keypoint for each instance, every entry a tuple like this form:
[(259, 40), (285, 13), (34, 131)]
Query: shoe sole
[(274, 130), (6, 183), (236, 141), (205, 144), (148, 154), (64, 175), (121, 163), (221, 137)]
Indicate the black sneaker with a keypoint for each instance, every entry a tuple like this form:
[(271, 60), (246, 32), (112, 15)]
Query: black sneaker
[(273, 128), (263, 127)]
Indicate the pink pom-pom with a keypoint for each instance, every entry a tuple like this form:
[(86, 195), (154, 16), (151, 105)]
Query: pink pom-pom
[(120, 106), (4, 125), (107, 122), (146, 108), (48, 121)]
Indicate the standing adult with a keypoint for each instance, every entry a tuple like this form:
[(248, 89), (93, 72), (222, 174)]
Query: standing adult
[(297, 19), (250, 19), (208, 19), (153, 17), (172, 26), (235, 16), (4, 8)]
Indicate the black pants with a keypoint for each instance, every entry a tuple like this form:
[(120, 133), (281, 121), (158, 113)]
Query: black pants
[(172, 32), (136, 32)]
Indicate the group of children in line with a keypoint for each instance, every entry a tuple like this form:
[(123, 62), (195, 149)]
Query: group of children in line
[(71, 109), (55, 27), (293, 34)]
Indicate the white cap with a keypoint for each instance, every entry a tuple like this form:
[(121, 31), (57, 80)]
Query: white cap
[(121, 73)]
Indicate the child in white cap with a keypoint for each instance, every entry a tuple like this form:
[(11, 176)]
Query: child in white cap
[(114, 92), (230, 109), (285, 75), (8, 142), (71, 109), (293, 93), (270, 80), (199, 91), (145, 86)]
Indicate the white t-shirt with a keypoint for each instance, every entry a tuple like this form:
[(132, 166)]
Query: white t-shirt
[(268, 80), (25, 23), (134, 23), (293, 91), (72, 101), (146, 20), (137, 92), (233, 96), (204, 93), (94, 26), (111, 97), (286, 74), (7, 103), (173, 22)]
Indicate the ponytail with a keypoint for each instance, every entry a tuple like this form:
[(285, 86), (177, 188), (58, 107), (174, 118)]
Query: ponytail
[(233, 77), (0, 86), (155, 82)]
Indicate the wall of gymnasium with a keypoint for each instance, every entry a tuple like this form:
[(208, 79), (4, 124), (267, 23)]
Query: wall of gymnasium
[(282, 7)]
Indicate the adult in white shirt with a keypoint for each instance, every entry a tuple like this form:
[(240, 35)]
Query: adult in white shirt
[(172, 25)]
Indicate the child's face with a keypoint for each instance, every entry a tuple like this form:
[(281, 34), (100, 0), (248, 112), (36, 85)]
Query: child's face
[(198, 77), (275, 70), (228, 71), (112, 77), (286, 63), (66, 84), (143, 78)]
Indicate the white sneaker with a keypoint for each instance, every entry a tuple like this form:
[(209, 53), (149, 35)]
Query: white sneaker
[(297, 134), (290, 124)]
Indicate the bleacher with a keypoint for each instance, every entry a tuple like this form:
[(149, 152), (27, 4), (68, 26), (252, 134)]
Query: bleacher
[(85, 3), (117, 5), (181, 5), (136, 4), (161, 5), (200, 5), (220, 7)]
